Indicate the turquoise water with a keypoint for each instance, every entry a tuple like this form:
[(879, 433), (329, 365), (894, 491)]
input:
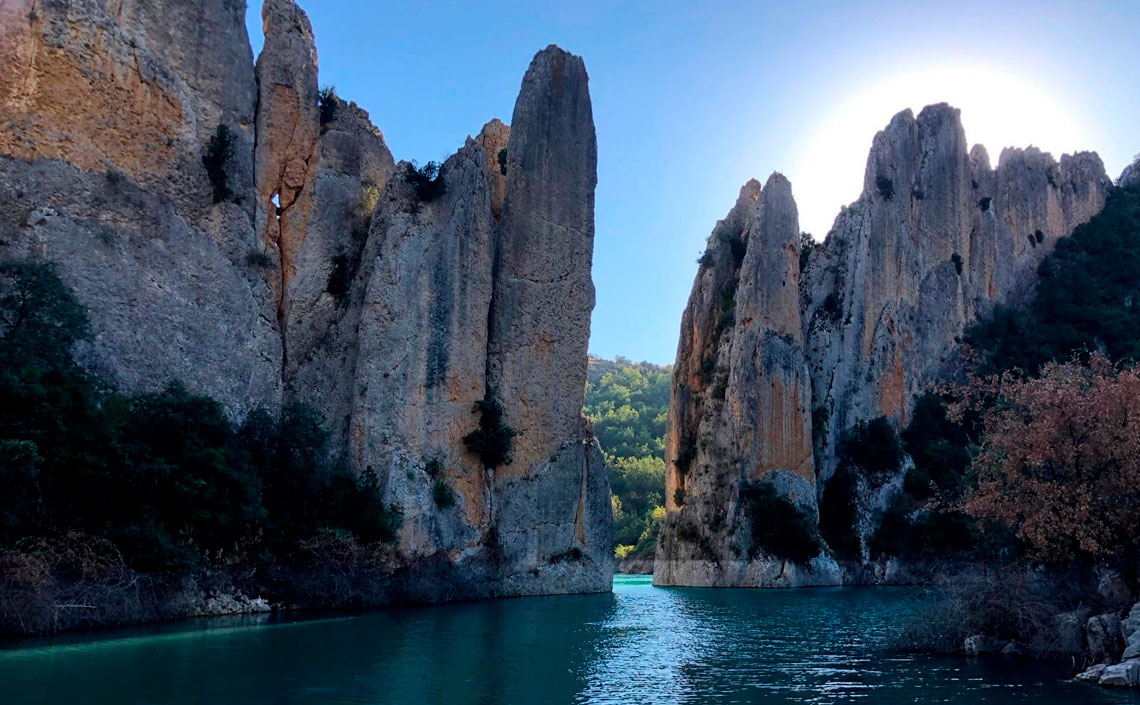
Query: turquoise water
[(638, 645)]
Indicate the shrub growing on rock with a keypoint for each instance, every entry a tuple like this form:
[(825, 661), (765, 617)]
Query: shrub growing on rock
[(426, 180), (493, 439), (219, 151), (778, 526), (259, 259), (885, 186), (873, 447), (327, 103), (441, 492)]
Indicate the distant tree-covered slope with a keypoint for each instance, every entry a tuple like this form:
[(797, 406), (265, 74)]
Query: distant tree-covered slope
[(626, 402)]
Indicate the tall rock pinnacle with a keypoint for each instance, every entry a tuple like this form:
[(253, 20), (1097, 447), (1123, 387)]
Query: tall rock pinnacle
[(808, 344), (544, 294), (288, 128), (477, 286)]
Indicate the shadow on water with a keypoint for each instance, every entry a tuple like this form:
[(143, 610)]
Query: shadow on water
[(638, 645)]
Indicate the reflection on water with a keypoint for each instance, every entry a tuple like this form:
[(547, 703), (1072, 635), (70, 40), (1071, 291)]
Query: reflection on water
[(638, 645)]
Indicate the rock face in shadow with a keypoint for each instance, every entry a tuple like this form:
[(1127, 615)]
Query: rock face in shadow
[(857, 328), (232, 229)]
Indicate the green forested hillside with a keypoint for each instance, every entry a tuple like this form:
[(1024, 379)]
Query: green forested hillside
[(627, 402)]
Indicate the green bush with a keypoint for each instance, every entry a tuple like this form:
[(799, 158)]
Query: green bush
[(832, 307), (257, 258), (164, 476), (957, 260), (940, 450), (885, 186), (873, 447), (493, 439), (807, 246), (778, 526), (427, 180), (328, 102), (442, 494), (40, 319), (837, 513)]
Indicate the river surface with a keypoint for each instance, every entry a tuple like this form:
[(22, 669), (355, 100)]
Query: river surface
[(639, 644)]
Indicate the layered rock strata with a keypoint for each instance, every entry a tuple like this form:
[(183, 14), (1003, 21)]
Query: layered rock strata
[(780, 354)]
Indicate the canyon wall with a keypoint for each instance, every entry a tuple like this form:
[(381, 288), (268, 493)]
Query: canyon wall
[(782, 352), (230, 228)]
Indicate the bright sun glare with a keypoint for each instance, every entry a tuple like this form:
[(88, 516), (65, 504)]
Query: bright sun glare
[(999, 109)]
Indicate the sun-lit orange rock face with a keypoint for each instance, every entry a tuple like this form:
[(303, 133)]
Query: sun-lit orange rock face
[(119, 86), (288, 132)]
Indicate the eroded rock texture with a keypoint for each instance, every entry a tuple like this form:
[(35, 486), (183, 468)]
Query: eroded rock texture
[(480, 289), (228, 229), (106, 108), (867, 323), (288, 140)]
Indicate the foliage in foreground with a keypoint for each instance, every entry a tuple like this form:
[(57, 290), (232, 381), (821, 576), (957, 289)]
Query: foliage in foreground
[(164, 478), (1060, 462)]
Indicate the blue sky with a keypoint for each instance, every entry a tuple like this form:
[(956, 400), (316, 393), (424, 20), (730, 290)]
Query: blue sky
[(693, 99)]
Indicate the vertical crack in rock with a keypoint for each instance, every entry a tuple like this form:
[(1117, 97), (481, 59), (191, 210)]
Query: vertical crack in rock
[(288, 127)]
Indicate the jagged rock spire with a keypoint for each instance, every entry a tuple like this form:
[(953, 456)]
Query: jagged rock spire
[(288, 128), (871, 321)]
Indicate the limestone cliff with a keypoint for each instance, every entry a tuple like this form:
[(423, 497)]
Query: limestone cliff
[(229, 227), (477, 286), (856, 329), (106, 109)]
